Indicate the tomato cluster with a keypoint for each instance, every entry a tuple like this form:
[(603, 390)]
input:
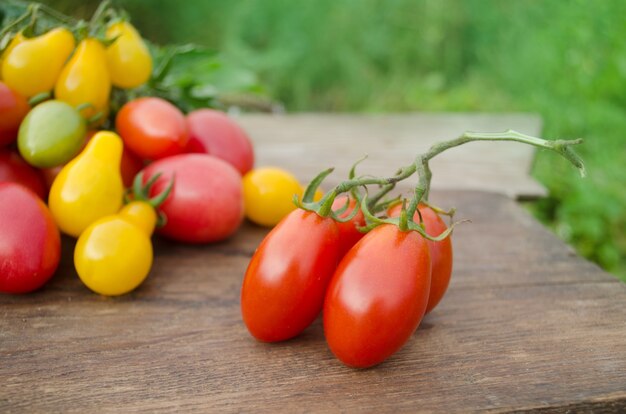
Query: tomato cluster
[(373, 288), (180, 174)]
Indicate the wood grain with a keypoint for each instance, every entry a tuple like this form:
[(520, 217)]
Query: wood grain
[(526, 325), (307, 143)]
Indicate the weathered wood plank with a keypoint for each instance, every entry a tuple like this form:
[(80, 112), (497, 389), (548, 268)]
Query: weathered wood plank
[(526, 325), (306, 143)]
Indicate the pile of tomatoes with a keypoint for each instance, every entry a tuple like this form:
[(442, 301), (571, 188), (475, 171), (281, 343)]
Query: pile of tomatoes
[(373, 288), (186, 175)]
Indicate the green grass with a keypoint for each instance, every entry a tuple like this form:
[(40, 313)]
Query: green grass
[(564, 59)]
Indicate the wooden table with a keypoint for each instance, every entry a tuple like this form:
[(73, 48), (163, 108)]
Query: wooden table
[(525, 325)]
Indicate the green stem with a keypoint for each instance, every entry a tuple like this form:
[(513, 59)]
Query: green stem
[(29, 12), (98, 15), (421, 166)]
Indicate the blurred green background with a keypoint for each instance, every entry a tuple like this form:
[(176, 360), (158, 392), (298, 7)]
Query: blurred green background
[(563, 59)]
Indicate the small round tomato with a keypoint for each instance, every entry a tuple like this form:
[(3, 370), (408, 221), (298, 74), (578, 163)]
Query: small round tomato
[(215, 133), (30, 245), (51, 134), (268, 195), (14, 169), (152, 128), (205, 204), (349, 233), (283, 289), (440, 252), (377, 296), (114, 255), (13, 109)]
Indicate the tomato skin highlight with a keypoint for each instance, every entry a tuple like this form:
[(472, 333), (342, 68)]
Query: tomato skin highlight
[(285, 283), (14, 169), (440, 252), (30, 244), (152, 128), (206, 202), (377, 296), (215, 133)]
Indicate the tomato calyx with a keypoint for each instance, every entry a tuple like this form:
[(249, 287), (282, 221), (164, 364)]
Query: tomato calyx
[(323, 207), (140, 192)]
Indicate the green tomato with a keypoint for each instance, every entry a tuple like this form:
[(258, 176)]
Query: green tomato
[(51, 134)]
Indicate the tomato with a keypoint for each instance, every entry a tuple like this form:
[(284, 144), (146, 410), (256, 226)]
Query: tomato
[(14, 169), (33, 65), (283, 289), (215, 133), (30, 245), (349, 233), (152, 128), (268, 195), (130, 165), (13, 109), (377, 296), (51, 134), (205, 204), (16, 40), (85, 79), (90, 186), (114, 254), (128, 58), (440, 252)]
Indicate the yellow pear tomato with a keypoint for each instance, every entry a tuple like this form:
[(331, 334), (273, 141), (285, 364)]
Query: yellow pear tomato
[(128, 58), (114, 255), (85, 78), (17, 39), (32, 66), (90, 186), (268, 195)]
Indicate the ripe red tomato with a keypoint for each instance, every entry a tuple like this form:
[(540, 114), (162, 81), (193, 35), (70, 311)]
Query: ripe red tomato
[(215, 133), (30, 245), (13, 168), (377, 296), (13, 108), (206, 202), (284, 286), (152, 128), (349, 234), (440, 252)]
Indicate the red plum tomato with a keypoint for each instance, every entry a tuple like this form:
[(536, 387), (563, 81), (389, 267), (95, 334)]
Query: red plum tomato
[(440, 252), (285, 283), (152, 128), (30, 245), (13, 168), (215, 133), (377, 296), (206, 201), (13, 109)]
